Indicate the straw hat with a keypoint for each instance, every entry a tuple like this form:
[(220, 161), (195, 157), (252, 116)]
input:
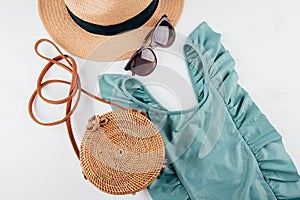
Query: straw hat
[(104, 30)]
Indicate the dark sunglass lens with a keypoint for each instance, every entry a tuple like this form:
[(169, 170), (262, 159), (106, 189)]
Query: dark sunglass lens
[(164, 34), (144, 62)]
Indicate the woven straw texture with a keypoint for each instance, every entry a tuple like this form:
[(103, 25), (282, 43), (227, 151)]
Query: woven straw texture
[(81, 43), (122, 152), (106, 12)]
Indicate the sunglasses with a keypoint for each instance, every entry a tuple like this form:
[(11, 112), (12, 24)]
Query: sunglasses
[(144, 60)]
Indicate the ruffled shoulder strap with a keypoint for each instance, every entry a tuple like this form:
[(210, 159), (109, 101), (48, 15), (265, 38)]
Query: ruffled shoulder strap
[(204, 46), (127, 92), (204, 52)]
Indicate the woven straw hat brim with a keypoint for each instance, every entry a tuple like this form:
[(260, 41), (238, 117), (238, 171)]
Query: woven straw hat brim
[(81, 43)]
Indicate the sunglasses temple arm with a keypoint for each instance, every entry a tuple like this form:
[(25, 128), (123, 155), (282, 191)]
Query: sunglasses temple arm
[(147, 37)]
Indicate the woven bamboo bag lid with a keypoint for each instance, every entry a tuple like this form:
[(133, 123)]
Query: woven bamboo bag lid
[(121, 152)]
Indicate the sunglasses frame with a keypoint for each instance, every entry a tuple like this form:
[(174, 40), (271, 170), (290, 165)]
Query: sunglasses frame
[(150, 46)]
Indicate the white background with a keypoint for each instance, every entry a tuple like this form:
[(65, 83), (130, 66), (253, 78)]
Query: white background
[(38, 163)]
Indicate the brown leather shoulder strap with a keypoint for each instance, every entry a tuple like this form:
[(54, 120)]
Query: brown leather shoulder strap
[(74, 91)]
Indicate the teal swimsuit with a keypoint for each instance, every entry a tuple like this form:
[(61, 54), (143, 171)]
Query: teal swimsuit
[(223, 148)]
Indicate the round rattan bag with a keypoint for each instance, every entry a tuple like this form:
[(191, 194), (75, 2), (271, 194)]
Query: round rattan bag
[(121, 152)]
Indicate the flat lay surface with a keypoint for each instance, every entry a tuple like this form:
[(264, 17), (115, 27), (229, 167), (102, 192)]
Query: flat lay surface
[(39, 163)]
